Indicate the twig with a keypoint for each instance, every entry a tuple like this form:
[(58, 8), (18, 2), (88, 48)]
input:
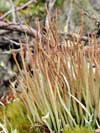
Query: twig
[(49, 8), (4, 32), (70, 36), (13, 11), (14, 42), (69, 14), (9, 52), (18, 8), (50, 4), (32, 32), (18, 27), (11, 41)]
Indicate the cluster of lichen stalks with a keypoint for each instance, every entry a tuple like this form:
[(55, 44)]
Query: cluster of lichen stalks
[(59, 86)]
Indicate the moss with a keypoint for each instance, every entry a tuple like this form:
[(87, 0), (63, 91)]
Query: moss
[(16, 117), (77, 130)]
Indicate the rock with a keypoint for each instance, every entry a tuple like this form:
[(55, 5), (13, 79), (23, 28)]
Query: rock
[(95, 4), (75, 15)]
